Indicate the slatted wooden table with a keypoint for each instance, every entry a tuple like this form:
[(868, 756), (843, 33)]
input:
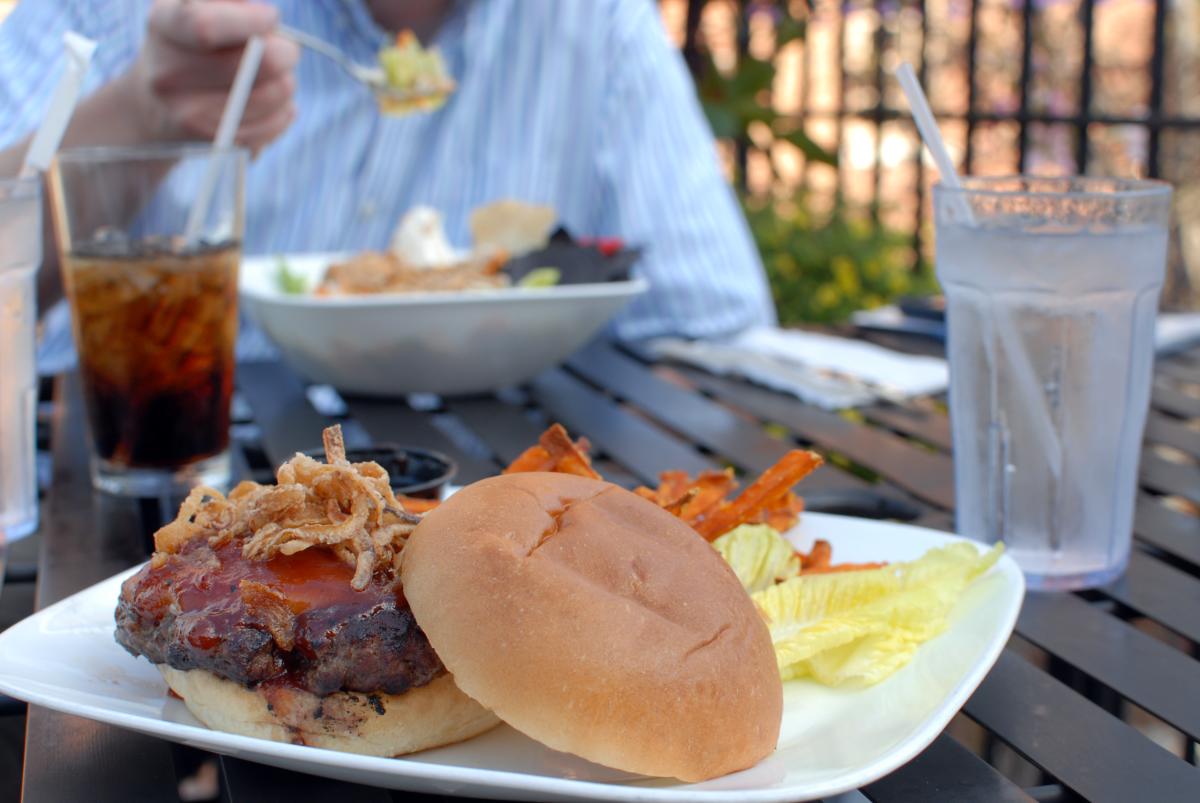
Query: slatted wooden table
[(1062, 696)]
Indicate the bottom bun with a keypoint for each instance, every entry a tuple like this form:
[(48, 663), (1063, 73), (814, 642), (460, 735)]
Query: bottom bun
[(435, 714)]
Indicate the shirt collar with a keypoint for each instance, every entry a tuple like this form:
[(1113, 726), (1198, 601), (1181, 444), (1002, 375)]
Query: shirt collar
[(364, 24)]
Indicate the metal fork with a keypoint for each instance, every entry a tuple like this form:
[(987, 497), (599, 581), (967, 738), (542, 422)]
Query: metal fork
[(371, 75)]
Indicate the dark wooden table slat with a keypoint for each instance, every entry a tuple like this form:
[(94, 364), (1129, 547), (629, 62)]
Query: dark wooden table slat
[(1160, 679), (395, 422), (737, 439), (924, 425), (1076, 741), (1161, 592), (1171, 432), (1169, 530), (945, 771), (285, 416), (1181, 367), (1174, 401), (743, 442), (1178, 479)]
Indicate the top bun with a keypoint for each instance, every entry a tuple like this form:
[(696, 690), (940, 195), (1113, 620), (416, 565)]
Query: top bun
[(597, 623)]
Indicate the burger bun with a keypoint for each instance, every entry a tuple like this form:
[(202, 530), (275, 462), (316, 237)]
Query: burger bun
[(598, 623)]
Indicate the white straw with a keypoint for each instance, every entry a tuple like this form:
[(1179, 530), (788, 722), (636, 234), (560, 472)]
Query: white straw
[(1001, 324), (79, 50), (231, 118), (926, 124)]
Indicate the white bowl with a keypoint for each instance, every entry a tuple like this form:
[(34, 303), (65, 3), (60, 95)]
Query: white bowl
[(453, 342)]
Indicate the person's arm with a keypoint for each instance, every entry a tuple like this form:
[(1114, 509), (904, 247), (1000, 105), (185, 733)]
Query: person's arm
[(665, 192), (166, 84)]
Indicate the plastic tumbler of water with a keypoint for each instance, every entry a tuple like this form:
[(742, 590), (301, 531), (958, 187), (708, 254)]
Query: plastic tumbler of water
[(1052, 289), (20, 255)]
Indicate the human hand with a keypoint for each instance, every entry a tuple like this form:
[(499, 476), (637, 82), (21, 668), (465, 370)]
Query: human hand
[(182, 76)]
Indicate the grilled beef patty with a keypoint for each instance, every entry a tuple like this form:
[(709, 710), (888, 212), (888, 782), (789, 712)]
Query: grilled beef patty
[(290, 619)]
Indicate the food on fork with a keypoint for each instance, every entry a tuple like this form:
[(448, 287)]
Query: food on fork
[(278, 612), (416, 77)]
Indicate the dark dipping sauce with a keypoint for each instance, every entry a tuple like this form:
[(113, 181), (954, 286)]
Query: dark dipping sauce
[(291, 620)]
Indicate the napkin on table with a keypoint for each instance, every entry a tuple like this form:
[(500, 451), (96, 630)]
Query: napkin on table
[(823, 370)]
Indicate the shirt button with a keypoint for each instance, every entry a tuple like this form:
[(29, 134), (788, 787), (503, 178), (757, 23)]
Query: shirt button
[(367, 209)]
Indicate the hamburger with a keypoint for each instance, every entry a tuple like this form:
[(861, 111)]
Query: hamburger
[(581, 614)]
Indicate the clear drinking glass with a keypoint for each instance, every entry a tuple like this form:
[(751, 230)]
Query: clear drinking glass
[(154, 313), (1052, 288), (20, 255)]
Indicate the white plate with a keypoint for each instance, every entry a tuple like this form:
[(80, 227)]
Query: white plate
[(455, 342), (833, 740)]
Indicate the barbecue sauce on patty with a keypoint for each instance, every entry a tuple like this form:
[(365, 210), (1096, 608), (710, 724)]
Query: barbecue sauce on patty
[(291, 619)]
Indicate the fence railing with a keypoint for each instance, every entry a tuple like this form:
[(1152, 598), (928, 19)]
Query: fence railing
[(1044, 86)]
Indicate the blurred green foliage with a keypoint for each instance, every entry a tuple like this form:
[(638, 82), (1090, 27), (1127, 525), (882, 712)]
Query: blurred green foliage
[(821, 268)]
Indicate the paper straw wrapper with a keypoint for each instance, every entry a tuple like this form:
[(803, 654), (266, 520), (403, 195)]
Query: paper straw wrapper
[(79, 50)]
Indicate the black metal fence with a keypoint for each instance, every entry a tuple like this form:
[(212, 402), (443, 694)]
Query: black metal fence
[(1045, 86)]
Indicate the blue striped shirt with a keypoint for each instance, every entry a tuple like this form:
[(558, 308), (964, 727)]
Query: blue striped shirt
[(580, 104)]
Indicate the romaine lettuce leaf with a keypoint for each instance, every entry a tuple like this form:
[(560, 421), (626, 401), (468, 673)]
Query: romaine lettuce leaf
[(759, 555), (860, 626)]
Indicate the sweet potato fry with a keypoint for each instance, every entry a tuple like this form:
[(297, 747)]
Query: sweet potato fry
[(676, 507), (535, 458), (649, 494), (671, 486), (413, 504), (555, 451), (711, 489), (819, 557), (687, 498), (773, 484), (842, 567), (782, 514), (569, 457)]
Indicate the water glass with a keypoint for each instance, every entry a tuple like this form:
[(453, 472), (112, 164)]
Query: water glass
[(1052, 288), (20, 255)]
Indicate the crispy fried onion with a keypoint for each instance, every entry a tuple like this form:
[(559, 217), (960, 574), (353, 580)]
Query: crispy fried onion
[(346, 507)]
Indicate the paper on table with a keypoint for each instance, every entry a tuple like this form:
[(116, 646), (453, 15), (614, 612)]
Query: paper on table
[(836, 373), (1176, 330), (827, 371)]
